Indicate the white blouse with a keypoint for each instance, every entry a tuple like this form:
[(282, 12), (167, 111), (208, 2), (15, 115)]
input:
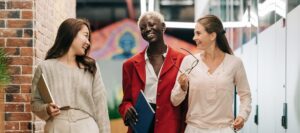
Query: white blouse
[(210, 98), (151, 80)]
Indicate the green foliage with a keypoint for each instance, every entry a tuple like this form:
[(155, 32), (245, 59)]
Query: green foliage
[(4, 75), (113, 111)]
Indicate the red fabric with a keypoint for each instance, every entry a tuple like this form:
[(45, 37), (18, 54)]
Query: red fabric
[(170, 119)]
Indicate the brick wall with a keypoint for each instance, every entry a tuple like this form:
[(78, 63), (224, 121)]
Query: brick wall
[(48, 18), (16, 28), (27, 31), (1, 109)]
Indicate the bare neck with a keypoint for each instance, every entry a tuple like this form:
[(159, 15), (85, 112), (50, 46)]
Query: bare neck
[(157, 49), (213, 53)]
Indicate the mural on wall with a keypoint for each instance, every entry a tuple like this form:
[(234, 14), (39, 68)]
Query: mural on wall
[(126, 43), (117, 41), (114, 44)]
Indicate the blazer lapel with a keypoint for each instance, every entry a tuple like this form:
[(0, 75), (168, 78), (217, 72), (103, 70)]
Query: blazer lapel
[(140, 65), (169, 62)]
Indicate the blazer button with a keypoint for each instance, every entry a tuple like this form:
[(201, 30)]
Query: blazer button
[(158, 94), (157, 107), (156, 120), (160, 80)]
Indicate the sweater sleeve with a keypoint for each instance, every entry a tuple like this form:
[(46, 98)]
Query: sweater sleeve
[(100, 101), (38, 106), (243, 91), (177, 94)]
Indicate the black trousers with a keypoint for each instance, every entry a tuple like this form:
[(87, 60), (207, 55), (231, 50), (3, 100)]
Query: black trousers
[(153, 121)]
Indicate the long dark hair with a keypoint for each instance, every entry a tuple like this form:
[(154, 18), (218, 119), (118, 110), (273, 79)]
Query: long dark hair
[(66, 33), (212, 24)]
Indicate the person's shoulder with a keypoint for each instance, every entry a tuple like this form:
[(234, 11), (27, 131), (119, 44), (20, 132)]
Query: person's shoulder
[(234, 60), (44, 65), (46, 62), (177, 53), (234, 57), (191, 57), (133, 59)]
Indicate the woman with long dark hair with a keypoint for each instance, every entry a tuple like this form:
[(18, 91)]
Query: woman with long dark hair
[(210, 84), (75, 83)]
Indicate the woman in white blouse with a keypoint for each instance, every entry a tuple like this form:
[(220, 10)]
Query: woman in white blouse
[(208, 80)]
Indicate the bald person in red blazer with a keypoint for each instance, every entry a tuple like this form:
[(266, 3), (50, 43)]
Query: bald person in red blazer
[(154, 71)]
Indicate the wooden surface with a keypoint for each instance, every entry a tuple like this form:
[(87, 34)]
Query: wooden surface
[(117, 126)]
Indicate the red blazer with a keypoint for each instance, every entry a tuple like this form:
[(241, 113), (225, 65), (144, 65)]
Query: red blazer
[(168, 119)]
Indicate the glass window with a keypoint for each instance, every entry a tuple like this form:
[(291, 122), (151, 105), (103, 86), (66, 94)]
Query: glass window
[(293, 4), (177, 10)]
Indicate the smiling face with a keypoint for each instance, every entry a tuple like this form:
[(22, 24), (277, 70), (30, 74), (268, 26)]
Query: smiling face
[(81, 42), (152, 28), (203, 39)]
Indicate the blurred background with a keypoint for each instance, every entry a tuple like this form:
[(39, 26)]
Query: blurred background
[(263, 33), (257, 30)]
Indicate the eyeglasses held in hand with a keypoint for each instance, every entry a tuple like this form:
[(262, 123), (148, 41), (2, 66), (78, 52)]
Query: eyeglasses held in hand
[(193, 65)]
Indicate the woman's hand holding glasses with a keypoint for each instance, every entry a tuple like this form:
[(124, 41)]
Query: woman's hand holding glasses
[(183, 78), (183, 81)]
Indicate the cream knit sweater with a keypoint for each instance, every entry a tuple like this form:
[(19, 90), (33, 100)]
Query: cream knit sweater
[(72, 87)]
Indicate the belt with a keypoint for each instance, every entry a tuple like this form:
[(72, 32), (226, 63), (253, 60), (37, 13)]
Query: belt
[(69, 107), (65, 108), (72, 114)]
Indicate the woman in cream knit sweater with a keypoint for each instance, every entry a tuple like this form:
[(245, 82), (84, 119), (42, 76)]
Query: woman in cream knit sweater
[(74, 81)]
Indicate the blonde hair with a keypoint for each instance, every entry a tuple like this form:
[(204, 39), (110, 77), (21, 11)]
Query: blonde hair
[(153, 14)]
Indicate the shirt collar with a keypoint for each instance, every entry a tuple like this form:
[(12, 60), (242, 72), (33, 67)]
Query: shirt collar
[(147, 58)]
